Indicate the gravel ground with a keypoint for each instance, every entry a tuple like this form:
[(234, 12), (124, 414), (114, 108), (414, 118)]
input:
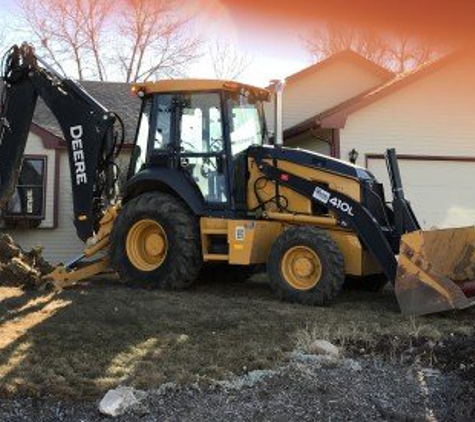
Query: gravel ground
[(307, 388)]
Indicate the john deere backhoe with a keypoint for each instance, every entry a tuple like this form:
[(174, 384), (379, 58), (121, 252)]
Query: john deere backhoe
[(206, 187)]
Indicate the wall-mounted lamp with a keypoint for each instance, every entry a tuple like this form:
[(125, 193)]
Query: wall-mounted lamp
[(353, 156)]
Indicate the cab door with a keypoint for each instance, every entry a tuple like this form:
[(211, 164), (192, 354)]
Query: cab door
[(201, 146)]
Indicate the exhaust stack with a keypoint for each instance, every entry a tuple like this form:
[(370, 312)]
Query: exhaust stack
[(278, 112)]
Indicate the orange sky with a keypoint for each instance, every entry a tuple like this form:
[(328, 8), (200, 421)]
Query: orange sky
[(450, 20), (271, 31)]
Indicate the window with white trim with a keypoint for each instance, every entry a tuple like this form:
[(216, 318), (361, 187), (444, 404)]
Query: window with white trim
[(28, 200)]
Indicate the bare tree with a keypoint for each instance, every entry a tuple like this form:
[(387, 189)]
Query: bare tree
[(156, 40), (59, 28), (406, 52), (227, 61), (4, 38), (3, 47), (137, 39), (397, 52), (95, 15)]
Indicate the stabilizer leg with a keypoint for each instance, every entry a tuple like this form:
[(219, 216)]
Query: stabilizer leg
[(67, 275)]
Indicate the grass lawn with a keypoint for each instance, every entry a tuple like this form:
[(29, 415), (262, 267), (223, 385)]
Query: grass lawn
[(80, 342)]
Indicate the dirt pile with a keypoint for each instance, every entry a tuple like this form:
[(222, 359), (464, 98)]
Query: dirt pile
[(20, 268)]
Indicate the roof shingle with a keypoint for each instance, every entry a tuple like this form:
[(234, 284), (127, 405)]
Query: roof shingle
[(115, 96)]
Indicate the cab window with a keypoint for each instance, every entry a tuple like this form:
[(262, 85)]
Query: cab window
[(139, 153), (202, 144), (246, 122), (164, 108), (201, 127)]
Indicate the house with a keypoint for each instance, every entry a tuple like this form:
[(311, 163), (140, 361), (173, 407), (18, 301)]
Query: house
[(320, 87), (428, 116), (47, 219)]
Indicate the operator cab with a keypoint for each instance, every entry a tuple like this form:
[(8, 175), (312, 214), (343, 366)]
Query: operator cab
[(192, 126)]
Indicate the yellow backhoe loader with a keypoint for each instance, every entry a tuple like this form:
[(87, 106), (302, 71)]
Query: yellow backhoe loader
[(207, 187)]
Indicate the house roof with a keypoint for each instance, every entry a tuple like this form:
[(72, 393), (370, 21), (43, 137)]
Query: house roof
[(345, 55), (335, 117), (115, 96)]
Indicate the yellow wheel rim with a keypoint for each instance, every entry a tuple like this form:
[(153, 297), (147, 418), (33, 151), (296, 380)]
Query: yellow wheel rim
[(146, 245), (301, 268)]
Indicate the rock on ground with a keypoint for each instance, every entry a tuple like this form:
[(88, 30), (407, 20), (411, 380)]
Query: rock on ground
[(117, 401), (323, 347)]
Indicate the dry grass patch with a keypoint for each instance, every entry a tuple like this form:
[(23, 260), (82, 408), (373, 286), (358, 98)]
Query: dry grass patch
[(81, 342)]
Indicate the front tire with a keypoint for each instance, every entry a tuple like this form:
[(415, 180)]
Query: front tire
[(306, 266), (155, 242)]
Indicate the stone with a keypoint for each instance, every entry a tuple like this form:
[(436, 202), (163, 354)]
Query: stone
[(325, 348), (117, 401), (300, 357), (353, 365), (434, 372)]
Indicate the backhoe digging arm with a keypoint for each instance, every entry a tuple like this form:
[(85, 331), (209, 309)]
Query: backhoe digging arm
[(87, 126)]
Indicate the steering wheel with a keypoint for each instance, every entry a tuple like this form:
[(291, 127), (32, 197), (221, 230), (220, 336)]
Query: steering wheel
[(215, 145), (208, 166), (189, 146)]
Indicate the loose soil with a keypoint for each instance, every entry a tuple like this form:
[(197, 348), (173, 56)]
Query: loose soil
[(301, 390), (20, 268), (80, 342), (452, 353)]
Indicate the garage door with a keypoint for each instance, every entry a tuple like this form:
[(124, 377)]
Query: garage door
[(441, 192)]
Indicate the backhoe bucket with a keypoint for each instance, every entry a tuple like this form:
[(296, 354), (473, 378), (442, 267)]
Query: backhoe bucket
[(436, 271)]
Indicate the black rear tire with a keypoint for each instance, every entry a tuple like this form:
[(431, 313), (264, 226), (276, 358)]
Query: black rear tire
[(332, 266), (183, 260)]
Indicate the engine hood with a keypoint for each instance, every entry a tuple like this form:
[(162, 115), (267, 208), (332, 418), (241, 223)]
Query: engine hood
[(311, 159)]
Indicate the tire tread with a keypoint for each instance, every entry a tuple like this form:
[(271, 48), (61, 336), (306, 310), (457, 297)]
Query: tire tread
[(332, 279), (184, 263)]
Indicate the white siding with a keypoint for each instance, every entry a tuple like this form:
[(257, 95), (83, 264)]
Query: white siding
[(323, 89), (441, 192), (309, 142), (61, 243), (432, 116)]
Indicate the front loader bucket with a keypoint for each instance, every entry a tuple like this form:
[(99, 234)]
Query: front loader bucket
[(436, 271)]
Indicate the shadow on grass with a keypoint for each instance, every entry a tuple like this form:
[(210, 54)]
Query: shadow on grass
[(81, 342), (20, 306)]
